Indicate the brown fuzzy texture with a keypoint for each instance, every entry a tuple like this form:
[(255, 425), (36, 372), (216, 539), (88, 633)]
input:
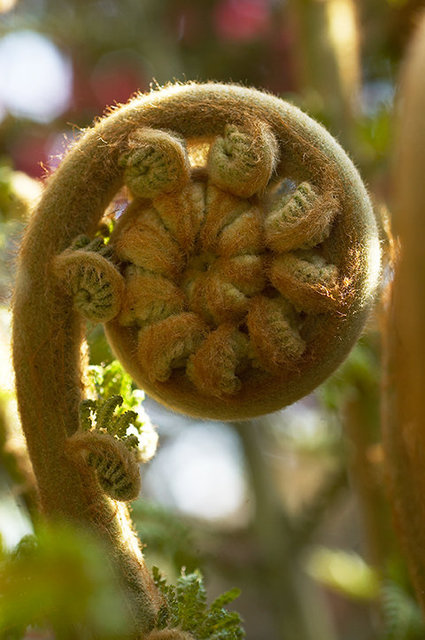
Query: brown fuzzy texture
[(242, 162), (146, 243), (304, 221), (220, 247), (232, 226), (149, 298), (213, 368), (182, 214), (275, 339), (404, 380), (155, 163), (214, 247), (48, 332), (306, 280), (166, 345), (96, 287)]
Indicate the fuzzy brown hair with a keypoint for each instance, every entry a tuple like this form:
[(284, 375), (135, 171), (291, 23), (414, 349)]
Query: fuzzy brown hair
[(48, 330), (316, 249)]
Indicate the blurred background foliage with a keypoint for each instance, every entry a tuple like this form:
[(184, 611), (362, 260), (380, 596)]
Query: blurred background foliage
[(292, 509)]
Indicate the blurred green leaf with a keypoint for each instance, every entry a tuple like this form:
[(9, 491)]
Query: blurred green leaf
[(360, 372), (100, 351), (18, 192), (344, 572), (61, 580)]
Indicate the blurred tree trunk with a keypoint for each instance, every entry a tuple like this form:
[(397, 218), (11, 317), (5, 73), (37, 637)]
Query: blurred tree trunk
[(404, 388), (327, 55), (283, 585)]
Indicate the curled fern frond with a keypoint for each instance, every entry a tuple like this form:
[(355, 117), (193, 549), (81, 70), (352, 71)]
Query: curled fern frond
[(155, 163), (91, 279), (103, 444), (307, 281), (305, 220), (242, 162), (115, 465), (235, 197), (241, 271)]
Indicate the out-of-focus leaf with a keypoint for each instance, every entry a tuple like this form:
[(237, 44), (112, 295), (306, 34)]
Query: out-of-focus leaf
[(344, 572), (61, 580), (360, 371), (18, 193)]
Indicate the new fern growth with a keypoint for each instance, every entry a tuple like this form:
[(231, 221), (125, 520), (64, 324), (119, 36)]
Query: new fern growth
[(185, 613), (223, 295), (90, 277), (105, 447), (113, 438)]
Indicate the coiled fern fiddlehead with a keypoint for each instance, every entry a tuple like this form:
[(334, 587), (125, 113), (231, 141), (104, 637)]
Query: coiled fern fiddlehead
[(246, 280), (107, 449)]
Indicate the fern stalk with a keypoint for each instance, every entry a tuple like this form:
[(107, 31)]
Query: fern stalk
[(403, 408), (48, 331)]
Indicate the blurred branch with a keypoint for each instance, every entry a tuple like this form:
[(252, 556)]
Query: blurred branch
[(18, 467), (365, 459), (279, 571), (306, 524), (328, 52), (352, 395)]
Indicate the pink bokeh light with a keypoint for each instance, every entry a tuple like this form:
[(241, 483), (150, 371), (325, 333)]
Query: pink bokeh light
[(241, 20)]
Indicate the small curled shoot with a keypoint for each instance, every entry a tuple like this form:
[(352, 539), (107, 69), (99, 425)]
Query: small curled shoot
[(214, 367), (145, 243), (167, 345), (115, 465), (242, 162), (156, 163), (91, 278), (161, 298), (275, 340), (104, 444), (307, 281), (303, 221)]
